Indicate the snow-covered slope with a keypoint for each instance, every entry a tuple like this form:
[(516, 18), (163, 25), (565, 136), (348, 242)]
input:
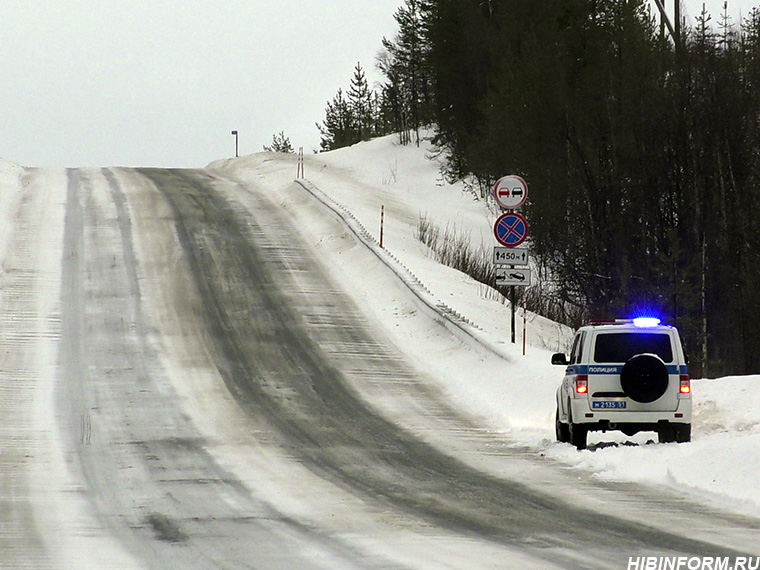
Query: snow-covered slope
[(512, 392)]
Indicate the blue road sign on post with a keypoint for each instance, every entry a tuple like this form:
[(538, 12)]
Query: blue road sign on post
[(510, 229)]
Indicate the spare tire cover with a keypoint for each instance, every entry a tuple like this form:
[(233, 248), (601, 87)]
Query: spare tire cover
[(644, 378)]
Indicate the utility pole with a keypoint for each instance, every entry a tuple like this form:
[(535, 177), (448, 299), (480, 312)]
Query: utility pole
[(677, 18), (673, 27)]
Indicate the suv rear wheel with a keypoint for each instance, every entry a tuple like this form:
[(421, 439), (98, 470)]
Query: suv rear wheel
[(679, 433), (578, 433), (666, 434), (562, 430)]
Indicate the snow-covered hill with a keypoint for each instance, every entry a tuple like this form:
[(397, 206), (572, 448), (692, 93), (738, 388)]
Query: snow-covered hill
[(512, 392)]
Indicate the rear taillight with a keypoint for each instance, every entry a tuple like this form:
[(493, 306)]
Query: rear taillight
[(685, 384), (581, 384)]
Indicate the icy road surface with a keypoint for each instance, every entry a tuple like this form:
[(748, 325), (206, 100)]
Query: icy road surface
[(184, 384)]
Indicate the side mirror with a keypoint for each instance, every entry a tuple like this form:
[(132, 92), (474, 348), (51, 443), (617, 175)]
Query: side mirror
[(559, 358)]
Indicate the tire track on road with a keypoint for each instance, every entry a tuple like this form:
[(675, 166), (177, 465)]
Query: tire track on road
[(23, 331)]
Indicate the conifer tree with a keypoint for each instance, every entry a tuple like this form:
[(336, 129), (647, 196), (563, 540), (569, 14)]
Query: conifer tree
[(280, 143), (338, 128), (404, 64), (360, 104)]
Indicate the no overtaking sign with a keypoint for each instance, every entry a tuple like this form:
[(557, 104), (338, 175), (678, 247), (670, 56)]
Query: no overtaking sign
[(510, 192)]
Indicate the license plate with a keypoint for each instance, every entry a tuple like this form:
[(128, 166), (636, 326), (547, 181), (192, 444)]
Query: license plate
[(608, 405)]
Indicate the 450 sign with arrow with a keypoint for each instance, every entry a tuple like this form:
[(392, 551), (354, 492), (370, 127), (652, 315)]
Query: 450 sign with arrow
[(510, 255)]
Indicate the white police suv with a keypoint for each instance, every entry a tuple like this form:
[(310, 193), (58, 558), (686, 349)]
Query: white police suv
[(624, 375)]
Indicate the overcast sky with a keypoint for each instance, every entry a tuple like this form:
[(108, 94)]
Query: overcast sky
[(164, 82)]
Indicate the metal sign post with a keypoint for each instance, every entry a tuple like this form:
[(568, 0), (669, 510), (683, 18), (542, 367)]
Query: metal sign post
[(512, 311), (511, 230)]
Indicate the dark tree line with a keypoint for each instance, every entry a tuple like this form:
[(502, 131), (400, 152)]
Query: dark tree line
[(642, 156)]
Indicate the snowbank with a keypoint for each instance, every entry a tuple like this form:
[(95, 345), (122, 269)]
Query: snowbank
[(10, 192)]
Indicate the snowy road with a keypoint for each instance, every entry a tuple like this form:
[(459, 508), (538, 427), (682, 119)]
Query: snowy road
[(185, 384)]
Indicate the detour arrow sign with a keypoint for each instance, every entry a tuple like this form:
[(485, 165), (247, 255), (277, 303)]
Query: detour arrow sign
[(510, 229)]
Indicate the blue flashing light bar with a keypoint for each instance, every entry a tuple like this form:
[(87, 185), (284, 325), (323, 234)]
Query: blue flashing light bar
[(646, 322)]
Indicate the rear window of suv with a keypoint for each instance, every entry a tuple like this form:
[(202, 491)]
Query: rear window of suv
[(619, 347)]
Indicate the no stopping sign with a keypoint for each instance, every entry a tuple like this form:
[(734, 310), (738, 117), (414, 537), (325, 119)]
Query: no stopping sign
[(510, 229)]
